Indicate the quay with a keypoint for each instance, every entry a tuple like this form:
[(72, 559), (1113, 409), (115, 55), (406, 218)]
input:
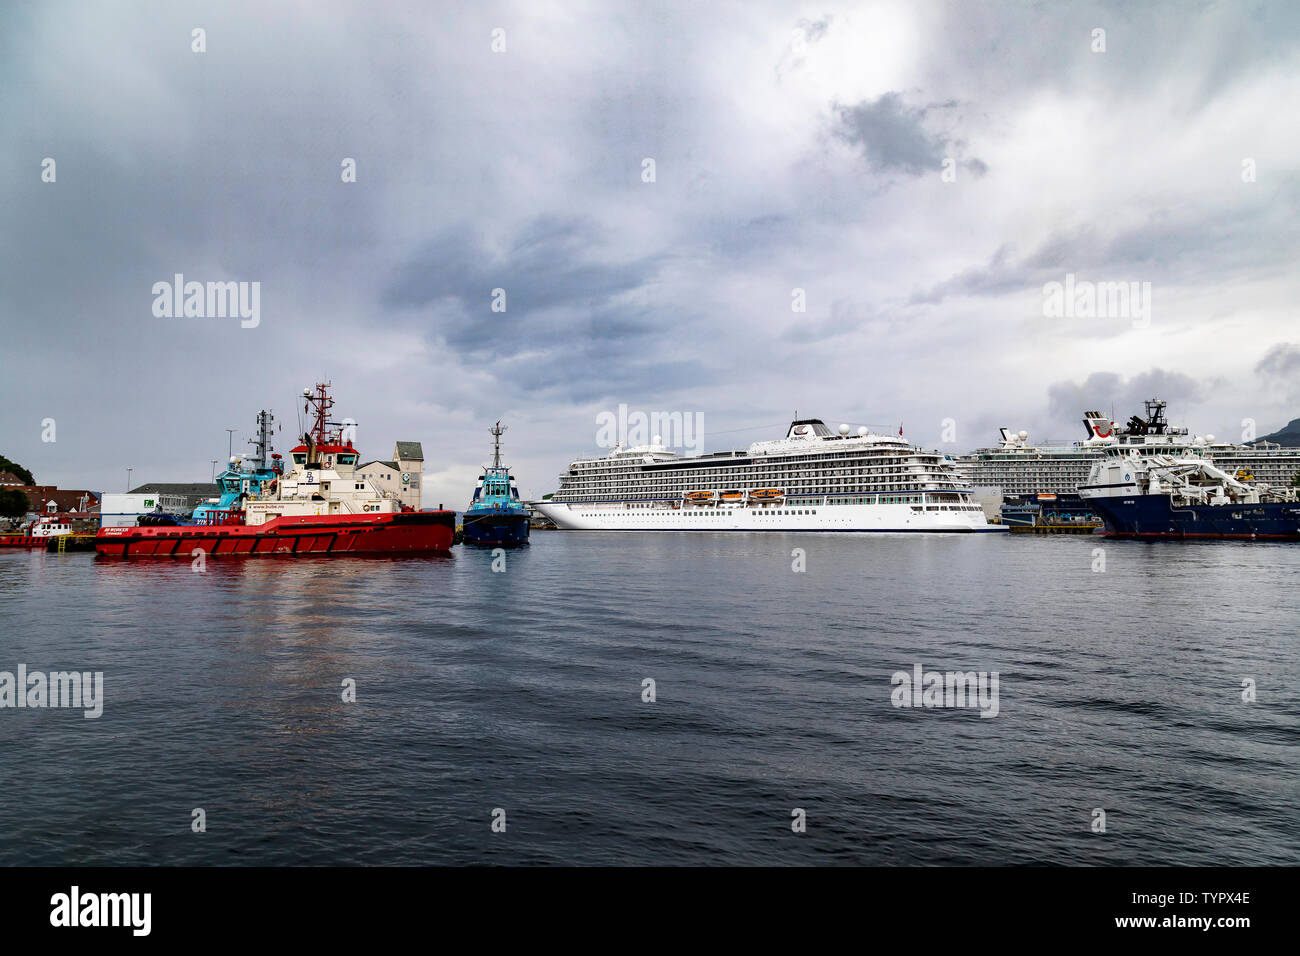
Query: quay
[(1056, 527)]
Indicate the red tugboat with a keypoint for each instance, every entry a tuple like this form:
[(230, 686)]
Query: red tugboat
[(319, 506)]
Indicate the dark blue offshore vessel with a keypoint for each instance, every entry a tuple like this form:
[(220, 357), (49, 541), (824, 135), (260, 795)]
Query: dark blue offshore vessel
[(1172, 496), (496, 516)]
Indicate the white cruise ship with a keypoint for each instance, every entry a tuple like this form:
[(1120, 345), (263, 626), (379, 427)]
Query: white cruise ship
[(814, 479)]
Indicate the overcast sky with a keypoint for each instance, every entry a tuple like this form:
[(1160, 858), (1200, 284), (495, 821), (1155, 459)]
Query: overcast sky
[(795, 146)]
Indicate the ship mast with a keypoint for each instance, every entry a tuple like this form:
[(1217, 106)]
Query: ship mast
[(496, 431), (263, 440), (319, 404)]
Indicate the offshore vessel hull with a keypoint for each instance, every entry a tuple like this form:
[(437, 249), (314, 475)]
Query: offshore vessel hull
[(1156, 516), (409, 532)]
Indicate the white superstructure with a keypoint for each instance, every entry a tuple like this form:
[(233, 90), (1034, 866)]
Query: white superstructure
[(321, 480), (811, 480), (1187, 480)]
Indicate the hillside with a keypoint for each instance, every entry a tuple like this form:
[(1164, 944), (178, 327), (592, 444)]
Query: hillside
[(1289, 435)]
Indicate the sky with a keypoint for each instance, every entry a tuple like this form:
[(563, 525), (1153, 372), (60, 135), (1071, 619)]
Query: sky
[(916, 175)]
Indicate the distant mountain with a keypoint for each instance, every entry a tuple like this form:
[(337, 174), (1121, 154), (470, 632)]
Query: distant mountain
[(1290, 435)]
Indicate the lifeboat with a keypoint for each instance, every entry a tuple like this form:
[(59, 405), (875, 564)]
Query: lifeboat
[(699, 496), (733, 496), (767, 494)]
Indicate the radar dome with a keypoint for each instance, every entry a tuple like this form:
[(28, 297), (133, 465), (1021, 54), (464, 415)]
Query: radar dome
[(844, 429), (1209, 439), (862, 431), (659, 439), (1023, 434)]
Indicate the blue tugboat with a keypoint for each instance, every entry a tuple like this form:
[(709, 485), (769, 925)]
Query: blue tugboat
[(496, 515)]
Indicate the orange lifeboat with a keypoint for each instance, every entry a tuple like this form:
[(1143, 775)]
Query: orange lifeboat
[(767, 494), (699, 496)]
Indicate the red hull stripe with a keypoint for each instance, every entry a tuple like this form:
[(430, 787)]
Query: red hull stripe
[(403, 533), (25, 540)]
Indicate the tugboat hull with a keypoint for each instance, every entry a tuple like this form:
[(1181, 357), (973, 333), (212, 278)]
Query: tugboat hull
[(407, 532), (494, 528), (1155, 516)]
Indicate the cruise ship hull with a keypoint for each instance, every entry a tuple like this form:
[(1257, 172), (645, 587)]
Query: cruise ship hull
[(407, 532), (667, 516), (1155, 516)]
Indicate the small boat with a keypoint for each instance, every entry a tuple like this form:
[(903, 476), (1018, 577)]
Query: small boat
[(38, 533), (699, 496), (767, 494), (733, 497), (496, 515)]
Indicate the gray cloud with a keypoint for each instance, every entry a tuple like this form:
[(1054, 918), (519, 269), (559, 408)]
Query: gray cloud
[(1104, 391), (1282, 360), (575, 328), (1171, 246), (893, 136)]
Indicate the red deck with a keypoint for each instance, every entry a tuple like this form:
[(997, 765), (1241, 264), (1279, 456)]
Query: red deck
[(408, 532)]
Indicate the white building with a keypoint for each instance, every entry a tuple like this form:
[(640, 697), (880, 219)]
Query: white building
[(402, 475)]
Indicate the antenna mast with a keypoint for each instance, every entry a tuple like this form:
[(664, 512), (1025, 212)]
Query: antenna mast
[(496, 431), (319, 404), (263, 440)]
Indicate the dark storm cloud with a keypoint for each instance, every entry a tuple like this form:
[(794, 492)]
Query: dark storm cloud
[(550, 262), (574, 329)]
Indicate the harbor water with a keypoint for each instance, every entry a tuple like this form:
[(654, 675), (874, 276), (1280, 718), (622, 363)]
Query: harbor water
[(521, 696)]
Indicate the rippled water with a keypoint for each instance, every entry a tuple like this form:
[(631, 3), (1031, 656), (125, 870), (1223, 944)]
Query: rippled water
[(522, 690)]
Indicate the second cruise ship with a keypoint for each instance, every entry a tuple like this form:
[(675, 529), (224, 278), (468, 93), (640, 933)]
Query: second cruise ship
[(1058, 469), (813, 479)]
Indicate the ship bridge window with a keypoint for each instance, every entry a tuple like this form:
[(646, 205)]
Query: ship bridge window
[(299, 458)]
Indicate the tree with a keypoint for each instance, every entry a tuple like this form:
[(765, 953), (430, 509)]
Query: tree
[(18, 470), (13, 504)]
